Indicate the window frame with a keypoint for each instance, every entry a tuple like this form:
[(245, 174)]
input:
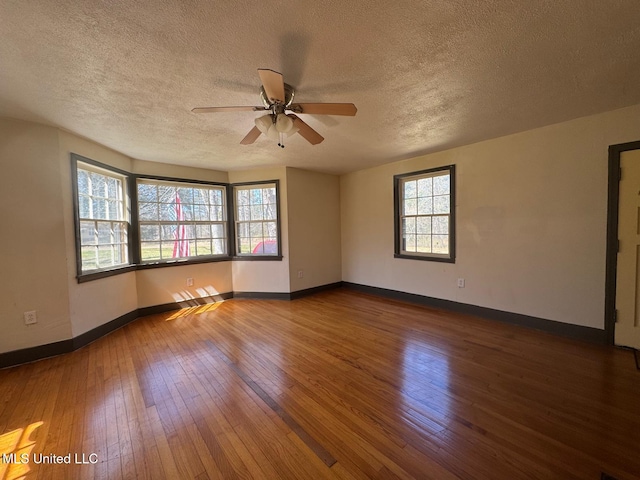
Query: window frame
[(135, 234), (234, 215), (130, 196), (84, 276), (398, 181)]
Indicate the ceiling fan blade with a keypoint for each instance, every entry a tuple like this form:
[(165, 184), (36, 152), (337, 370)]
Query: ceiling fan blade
[(226, 109), (273, 84), (251, 137), (308, 133), (348, 109)]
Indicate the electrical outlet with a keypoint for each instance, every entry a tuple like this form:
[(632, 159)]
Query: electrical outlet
[(189, 282), (461, 283), (30, 317), (300, 273)]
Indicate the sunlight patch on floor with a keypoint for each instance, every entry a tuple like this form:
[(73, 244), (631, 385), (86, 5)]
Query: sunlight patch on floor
[(15, 452)]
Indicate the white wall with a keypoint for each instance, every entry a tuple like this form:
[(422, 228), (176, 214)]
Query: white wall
[(32, 237), (531, 222), (314, 228), (265, 275)]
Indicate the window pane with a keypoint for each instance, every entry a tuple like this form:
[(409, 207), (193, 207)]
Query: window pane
[(98, 185), (83, 182), (218, 231), (84, 204), (257, 246), (105, 256), (215, 197), (149, 233), (203, 231), (219, 246), (217, 213), (147, 193), (168, 212), (242, 197), (88, 233), (410, 189), (410, 243), (269, 212), (423, 225), (425, 187), (113, 213), (200, 196), (440, 244), (441, 185), (410, 206), (271, 229), (203, 247), (185, 194), (425, 206), (255, 196), (269, 195), (256, 229), (166, 194), (201, 213), (244, 214), (441, 225), (409, 225), (441, 204), (423, 243), (120, 232), (244, 245), (104, 233), (150, 251), (113, 188), (256, 212), (89, 257), (148, 211), (99, 209), (168, 232), (243, 230)]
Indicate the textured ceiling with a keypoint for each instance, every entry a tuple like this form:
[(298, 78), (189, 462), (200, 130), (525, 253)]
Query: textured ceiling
[(425, 75)]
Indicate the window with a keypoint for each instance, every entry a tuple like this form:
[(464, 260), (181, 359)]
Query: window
[(101, 217), (181, 220), (425, 214), (256, 220)]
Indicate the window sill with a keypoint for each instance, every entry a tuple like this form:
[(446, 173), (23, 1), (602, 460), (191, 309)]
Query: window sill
[(425, 257), (88, 277), (258, 258), (176, 263)]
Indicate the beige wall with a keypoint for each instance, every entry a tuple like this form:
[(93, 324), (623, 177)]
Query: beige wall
[(158, 286), (32, 238), (265, 276), (314, 228), (531, 222), (97, 302)]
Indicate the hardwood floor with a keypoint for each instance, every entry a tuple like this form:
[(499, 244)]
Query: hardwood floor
[(377, 389)]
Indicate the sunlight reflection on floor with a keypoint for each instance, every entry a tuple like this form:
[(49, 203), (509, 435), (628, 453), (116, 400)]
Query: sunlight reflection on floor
[(15, 452)]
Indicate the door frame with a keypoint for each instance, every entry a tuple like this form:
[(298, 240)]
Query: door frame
[(612, 236)]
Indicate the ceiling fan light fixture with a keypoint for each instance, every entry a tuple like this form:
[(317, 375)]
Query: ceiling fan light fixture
[(284, 124), (264, 123)]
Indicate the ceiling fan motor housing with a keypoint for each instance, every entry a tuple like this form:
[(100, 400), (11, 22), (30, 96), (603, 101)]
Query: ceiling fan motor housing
[(289, 93)]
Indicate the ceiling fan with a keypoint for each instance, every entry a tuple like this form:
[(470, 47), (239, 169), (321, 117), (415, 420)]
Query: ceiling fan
[(277, 99)]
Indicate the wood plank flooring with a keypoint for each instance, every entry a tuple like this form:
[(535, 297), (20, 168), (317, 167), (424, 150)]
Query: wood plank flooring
[(385, 389)]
